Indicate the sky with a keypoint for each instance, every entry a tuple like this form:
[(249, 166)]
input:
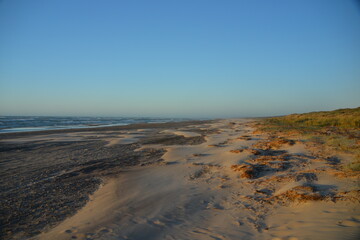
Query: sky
[(178, 58)]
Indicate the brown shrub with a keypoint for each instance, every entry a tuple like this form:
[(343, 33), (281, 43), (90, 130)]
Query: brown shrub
[(246, 171), (255, 152), (274, 143), (267, 158), (245, 137), (300, 194)]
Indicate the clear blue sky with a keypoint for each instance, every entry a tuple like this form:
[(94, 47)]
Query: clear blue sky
[(184, 58)]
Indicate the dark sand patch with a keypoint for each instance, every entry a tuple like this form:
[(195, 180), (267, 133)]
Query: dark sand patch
[(45, 182)]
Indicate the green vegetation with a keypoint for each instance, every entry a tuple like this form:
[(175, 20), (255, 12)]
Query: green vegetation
[(339, 129), (341, 118)]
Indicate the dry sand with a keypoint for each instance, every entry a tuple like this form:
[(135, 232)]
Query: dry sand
[(218, 180)]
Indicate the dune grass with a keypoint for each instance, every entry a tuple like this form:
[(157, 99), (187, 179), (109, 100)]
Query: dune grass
[(339, 129), (341, 118)]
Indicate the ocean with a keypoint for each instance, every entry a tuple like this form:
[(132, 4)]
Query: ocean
[(27, 124)]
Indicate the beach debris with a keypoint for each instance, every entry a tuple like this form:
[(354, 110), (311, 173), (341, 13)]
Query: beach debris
[(199, 155), (216, 145), (237, 151)]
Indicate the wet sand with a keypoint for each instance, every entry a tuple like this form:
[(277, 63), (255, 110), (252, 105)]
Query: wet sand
[(194, 180)]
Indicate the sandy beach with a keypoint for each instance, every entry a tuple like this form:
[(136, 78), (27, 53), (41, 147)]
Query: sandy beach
[(179, 120), (220, 179)]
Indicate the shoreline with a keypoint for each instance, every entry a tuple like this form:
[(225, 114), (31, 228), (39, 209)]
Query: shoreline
[(132, 126)]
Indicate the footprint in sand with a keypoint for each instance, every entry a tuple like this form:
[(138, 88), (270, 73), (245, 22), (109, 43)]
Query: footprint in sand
[(199, 155)]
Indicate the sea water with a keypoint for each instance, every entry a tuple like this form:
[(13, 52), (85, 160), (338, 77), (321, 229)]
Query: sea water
[(25, 124)]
